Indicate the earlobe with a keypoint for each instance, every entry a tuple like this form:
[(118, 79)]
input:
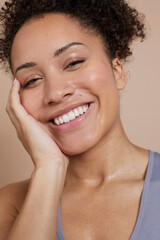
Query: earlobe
[(119, 74)]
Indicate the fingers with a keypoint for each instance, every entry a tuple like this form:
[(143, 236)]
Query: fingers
[(33, 135), (10, 108), (17, 114), (14, 105), (15, 110)]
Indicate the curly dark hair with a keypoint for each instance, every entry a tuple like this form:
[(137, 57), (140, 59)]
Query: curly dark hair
[(114, 20)]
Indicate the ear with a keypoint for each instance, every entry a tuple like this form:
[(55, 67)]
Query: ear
[(119, 74)]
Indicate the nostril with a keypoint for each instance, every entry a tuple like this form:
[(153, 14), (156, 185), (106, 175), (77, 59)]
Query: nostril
[(58, 93)]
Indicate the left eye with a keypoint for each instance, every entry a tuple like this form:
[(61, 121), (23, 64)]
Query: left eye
[(74, 63), (30, 82)]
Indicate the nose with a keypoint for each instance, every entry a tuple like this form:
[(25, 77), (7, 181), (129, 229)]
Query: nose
[(57, 90)]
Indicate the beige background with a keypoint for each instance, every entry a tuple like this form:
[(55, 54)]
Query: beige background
[(139, 102)]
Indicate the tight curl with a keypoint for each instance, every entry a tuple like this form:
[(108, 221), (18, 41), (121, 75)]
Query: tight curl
[(114, 20)]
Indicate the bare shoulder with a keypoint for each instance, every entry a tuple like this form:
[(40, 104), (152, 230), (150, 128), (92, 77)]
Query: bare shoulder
[(15, 193), (12, 197)]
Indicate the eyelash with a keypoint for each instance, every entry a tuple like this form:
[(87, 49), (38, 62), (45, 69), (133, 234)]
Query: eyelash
[(30, 82), (72, 64)]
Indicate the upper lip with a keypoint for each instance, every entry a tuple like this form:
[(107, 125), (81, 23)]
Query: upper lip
[(66, 109)]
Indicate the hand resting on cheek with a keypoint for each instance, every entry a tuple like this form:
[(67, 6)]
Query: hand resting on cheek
[(41, 147)]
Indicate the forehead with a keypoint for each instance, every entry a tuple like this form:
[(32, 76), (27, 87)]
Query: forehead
[(55, 28), (40, 37)]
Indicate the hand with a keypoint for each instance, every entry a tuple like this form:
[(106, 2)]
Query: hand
[(40, 146)]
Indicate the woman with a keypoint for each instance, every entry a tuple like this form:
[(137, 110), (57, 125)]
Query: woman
[(90, 181)]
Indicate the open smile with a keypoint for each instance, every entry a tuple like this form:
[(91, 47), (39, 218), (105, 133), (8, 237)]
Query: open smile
[(71, 115), (71, 119)]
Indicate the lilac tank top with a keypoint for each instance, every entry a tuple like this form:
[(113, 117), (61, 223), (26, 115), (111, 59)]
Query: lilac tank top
[(148, 223)]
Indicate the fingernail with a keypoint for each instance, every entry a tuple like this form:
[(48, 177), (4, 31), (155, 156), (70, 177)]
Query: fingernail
[(14, 81)]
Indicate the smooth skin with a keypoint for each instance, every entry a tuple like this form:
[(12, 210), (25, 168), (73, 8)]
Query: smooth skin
[(96, 172)]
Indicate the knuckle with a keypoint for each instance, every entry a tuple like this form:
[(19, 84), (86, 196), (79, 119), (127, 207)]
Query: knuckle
[(12, 106), (7, 109)]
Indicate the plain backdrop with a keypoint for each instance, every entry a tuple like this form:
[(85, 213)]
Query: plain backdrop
[(140, 111)]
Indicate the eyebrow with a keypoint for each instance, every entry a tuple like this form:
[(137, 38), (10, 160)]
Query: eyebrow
[(26, 65), (63, 49), (56, 54)]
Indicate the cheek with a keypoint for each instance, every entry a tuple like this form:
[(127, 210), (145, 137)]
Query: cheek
[(99, 79), (30, 103)]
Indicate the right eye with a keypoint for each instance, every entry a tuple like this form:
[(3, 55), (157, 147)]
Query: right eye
[(30, 82)]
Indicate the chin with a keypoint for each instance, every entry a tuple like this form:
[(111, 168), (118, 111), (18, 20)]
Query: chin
[(73, 151), (77, 148)]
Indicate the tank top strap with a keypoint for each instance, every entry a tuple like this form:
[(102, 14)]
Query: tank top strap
[(148, 223), (59, 226)]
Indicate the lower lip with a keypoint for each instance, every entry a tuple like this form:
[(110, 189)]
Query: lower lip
[(74, 123)]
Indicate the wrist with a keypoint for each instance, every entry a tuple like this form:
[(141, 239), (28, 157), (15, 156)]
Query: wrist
[(50, 170)]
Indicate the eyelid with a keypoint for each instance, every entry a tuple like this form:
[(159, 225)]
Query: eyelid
[(74, 60), (29, 82)]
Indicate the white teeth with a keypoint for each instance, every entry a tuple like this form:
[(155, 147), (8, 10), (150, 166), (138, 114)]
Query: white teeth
[(85, 108), (80, 110), (76, 113), (56, 122), (71, 115), (60, 120), (65, 118)]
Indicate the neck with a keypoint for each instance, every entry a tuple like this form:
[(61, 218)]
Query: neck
[(112, 158)]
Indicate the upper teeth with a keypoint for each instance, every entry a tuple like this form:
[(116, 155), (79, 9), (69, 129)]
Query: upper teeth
[(76, 112)]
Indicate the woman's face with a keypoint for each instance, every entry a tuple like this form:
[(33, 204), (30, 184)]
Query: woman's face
[(67, 81)]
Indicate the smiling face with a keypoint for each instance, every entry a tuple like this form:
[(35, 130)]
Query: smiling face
[(67, 81)]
